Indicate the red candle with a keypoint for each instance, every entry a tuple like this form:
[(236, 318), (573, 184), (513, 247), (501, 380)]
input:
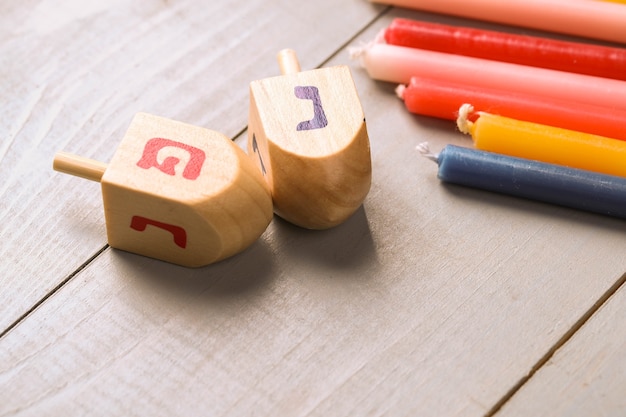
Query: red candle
[(601, 61), (442, 99)]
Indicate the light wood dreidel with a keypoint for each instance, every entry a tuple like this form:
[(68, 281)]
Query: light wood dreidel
[(177, 192), (308, 136)]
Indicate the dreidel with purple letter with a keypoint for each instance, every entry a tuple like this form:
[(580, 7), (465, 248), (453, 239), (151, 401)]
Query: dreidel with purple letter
[(177, 192), (308, 137)]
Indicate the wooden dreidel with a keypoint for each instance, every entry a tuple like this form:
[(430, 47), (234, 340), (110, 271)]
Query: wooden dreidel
[(177, 192), (308, 137)]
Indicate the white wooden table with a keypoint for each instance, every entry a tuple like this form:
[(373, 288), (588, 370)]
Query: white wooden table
[(431, 300)]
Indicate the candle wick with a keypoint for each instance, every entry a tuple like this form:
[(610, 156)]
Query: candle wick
[(424, 149), (400, 91), (357, 53), (462, 122)]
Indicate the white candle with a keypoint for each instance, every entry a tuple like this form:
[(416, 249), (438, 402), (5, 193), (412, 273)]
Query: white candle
[(398, 64)]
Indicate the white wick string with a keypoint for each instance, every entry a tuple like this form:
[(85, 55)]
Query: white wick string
[(424, 149), (400, 91), (462, 122), (357, 53)]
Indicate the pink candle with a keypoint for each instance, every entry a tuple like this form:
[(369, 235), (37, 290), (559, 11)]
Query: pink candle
[(591, 19), (442, 99), (398, 64)]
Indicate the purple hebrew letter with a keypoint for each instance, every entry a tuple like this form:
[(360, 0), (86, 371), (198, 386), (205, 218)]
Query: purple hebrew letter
[(319, 120)]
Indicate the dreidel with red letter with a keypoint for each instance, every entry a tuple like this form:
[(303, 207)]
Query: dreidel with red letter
[(308, 137), (177, 192)]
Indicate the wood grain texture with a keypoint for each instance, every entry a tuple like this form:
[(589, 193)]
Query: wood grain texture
[(318, 169), (430, 300), (75, 73), (183, 194), (587, 377)]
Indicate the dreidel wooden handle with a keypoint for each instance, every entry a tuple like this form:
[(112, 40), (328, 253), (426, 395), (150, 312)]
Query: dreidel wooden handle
[(177, 192), (288, 62), (308, 137), (79, 166)]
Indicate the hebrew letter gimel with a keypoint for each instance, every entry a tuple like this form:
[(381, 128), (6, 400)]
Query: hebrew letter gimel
[(151, 151), (319, 120), (180, 235)]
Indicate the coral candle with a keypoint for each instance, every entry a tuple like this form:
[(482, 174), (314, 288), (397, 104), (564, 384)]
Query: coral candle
[(575, 188), (591, 19), (600, 61), (442, 99), (544, 143)]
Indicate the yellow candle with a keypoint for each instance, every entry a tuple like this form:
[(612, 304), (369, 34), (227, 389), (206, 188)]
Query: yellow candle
[(528, 140)]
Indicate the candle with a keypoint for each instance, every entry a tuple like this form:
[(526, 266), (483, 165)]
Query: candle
[(544, 143), (601, 61), (442, 99), (592, 19), (398, 64), (575, 188)]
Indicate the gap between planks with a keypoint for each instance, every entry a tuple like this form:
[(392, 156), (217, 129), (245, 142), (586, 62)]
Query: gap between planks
[(507, 396), (53, 291), (336, 52), (358, 33), (560, 343)]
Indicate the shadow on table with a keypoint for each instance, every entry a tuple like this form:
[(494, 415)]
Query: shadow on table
[(250, 271), (348, 246), (345, 250), (517, 204)]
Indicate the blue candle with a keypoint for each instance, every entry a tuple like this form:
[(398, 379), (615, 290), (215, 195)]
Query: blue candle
[(575, 188)]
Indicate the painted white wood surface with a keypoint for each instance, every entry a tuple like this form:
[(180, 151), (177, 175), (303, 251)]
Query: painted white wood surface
[(75, 73), (430, 300), (587, 377)]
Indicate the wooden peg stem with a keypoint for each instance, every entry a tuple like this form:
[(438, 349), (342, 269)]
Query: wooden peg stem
[(288, 62), (77, 165)]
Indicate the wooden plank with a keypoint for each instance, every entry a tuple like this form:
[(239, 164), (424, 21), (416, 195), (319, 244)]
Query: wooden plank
[(430, 300), (586, 376), (75, 73)]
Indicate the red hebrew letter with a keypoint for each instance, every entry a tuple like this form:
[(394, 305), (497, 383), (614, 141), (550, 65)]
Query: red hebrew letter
[(180, 235), (312, 93), (154, 145)]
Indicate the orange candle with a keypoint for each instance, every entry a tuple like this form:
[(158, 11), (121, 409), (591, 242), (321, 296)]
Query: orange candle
[(538, 142)]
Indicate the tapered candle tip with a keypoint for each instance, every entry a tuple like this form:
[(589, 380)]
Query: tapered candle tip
[(462, 122), (424, 149)]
